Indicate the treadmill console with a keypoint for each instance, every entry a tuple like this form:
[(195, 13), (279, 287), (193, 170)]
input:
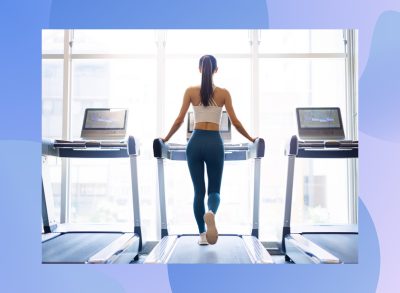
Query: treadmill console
[(319, 123)]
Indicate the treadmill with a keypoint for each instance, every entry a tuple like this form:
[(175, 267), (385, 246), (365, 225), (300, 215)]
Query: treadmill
[(230, 248), (325, 244), (89, 244)]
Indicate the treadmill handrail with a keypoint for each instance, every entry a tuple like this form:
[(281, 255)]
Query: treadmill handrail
[(90, 149), (233, 152), (163, 150), (127, 148), (310, 149), (321, 149)]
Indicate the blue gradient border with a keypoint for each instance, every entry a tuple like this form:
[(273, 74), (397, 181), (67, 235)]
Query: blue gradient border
[(20, 134)]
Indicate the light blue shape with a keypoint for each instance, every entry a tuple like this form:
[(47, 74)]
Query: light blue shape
[(362, 277), (21, 24), (380, 83), (158, 14), (21, 267), (380, 190)]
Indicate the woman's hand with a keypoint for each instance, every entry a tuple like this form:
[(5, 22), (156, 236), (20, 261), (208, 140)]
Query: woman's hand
[(163, 139), (254, 139)]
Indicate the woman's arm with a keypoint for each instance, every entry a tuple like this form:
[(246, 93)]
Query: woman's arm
[(235, 121), (181, 117)]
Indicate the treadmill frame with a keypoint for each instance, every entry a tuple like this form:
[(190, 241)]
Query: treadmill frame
[(233, 152), (295, 246), (130, 240)]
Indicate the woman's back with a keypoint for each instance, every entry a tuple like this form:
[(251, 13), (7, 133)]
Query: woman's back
[(219, 96), (207, 117), (207, 98)]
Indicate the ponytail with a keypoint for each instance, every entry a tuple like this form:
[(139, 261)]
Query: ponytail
[(207, 65)]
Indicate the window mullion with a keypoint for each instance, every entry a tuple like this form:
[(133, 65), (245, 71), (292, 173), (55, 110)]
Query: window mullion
[(255, 99), (66, 129), (161, 42)]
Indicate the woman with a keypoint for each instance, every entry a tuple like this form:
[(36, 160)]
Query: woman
[(206, 145)]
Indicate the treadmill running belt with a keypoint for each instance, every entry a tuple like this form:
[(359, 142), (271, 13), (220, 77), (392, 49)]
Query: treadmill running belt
[(343, 246), (228, 249), (75, 247)]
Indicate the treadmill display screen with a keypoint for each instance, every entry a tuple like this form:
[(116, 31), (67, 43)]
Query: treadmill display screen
[(105, 119), (319, 118)]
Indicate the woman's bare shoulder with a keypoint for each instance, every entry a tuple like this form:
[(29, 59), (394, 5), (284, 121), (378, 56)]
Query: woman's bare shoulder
[(193, 92), (193, 88), (222, 91)]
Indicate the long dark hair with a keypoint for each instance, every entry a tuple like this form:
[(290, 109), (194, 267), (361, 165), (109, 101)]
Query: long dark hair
[(207, 65)]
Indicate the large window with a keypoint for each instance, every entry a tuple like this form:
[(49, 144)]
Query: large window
[(300, 68), (52, 100), (268, 73)]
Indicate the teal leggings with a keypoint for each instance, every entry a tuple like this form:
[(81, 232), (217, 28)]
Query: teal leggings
[(205, 147)]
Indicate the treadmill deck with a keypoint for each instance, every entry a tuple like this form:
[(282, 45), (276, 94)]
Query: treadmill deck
[(343, 246), (75, 247), (228, 249)]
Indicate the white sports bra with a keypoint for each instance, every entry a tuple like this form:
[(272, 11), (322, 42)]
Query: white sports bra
[(211, 113)]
